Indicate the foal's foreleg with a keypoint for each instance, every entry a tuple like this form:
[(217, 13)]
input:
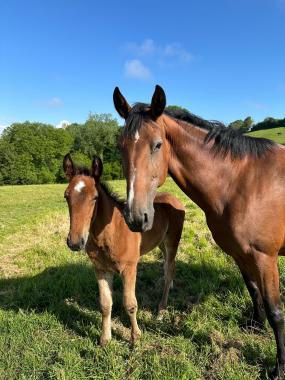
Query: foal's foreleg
[(105, 283), (169, 271), (130, 302)]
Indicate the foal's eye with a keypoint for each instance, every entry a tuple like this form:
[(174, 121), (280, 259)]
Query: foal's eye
[(156, 146), (95, 198)]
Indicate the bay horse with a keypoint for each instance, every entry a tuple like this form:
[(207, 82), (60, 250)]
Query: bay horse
[(237, 180), (97, 225)]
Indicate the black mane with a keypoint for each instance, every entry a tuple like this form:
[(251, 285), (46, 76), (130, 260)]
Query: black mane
[(83, 170), (226, 139)]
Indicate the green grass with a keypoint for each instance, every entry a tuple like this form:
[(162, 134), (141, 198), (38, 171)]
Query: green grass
[(276, 134), (50, 319)]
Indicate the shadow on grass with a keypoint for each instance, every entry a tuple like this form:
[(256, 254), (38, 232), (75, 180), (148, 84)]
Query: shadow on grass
[(58, 289)]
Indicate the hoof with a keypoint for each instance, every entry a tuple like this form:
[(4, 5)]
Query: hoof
[(278, 372), (161, 313), (104, 341), (135, 336)]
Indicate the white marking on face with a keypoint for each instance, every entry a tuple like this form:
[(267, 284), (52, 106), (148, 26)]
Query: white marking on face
[(137, 136), (79, 186), (131, 192)]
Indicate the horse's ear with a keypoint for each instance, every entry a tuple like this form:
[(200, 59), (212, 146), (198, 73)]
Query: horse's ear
[(68, 166), (97, 167), (158, 102), (122, 106)]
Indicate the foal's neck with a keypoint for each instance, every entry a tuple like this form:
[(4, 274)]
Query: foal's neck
[(206, 178), (107, 208)]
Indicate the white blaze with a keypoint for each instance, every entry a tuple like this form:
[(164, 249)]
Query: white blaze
[(131, 192), (137, 136), (79, 186)]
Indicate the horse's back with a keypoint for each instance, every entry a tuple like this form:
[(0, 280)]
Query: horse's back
[(168, 200)]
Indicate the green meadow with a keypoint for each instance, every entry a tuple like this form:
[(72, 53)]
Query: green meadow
[(276, 134), (49, 311)]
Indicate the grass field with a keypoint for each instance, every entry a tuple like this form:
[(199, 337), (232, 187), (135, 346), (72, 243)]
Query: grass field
[(50, 319), (276, 134)]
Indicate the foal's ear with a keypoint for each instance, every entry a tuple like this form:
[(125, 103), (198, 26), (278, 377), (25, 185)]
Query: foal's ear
[(68, 166), (97, 167), (122, 106), (158, 102)]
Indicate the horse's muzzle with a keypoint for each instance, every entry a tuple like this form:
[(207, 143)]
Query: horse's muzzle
[(139, 221), (78, 246)]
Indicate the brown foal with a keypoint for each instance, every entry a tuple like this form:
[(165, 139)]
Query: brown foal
[(97, 224), (238, 181)]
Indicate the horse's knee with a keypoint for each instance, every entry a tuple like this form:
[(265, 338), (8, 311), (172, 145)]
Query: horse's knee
[(106, 308), (131, 307)]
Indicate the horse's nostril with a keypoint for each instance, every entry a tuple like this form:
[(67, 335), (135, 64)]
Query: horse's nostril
[(145, 217), (82, 242)]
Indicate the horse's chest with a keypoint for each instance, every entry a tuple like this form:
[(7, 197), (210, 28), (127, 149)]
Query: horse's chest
[(104, 254)]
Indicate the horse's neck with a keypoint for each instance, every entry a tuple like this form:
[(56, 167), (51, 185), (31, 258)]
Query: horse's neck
[(106, 210), (205, 178)]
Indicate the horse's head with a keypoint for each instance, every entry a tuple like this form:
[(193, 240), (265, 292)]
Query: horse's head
[(81, 195), (145, 153)]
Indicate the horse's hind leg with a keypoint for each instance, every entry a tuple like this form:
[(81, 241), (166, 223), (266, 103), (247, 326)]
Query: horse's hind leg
[(268, 283), (169, 253), (249, 277)]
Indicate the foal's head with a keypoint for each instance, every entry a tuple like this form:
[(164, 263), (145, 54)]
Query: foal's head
[(81, 196), (145, 153)]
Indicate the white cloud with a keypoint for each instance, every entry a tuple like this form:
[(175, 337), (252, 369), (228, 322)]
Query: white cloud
[(136, 69), (175, 50), (145, 48), (54, 102), (170, 51), (63, 124), (2, 127)]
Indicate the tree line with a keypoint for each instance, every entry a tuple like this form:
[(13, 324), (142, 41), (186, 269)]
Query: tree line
[(32, 153), (248, 124)]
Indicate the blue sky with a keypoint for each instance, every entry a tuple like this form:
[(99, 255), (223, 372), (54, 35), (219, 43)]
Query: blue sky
[(61, 59)]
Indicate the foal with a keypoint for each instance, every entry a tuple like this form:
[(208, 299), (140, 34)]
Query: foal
[(97, 224)]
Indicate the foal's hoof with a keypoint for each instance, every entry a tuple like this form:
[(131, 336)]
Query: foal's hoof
[(161, 313), (135, 337), (104, 341), (278, 372)]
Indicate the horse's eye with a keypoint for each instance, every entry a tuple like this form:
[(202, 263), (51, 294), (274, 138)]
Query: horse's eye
[(95, 198), (156, 146), (65, 195)]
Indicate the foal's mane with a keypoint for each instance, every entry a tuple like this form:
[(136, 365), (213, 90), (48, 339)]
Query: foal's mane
[(226, 139), (83, 170)]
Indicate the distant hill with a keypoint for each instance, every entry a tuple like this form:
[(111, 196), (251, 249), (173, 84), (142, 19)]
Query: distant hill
[(276, 134)]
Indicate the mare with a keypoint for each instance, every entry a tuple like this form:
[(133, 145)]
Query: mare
[(237, 180)]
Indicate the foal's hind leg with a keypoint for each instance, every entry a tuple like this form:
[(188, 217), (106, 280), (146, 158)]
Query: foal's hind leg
[(169, 253), (130, 302), (268, 283), (105, 282)]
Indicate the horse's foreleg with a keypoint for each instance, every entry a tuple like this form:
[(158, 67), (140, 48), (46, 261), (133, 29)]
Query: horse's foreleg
[(105, 282), (130, 302), (268, 283)]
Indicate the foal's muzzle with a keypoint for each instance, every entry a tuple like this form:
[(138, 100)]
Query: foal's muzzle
[(78, 246)]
